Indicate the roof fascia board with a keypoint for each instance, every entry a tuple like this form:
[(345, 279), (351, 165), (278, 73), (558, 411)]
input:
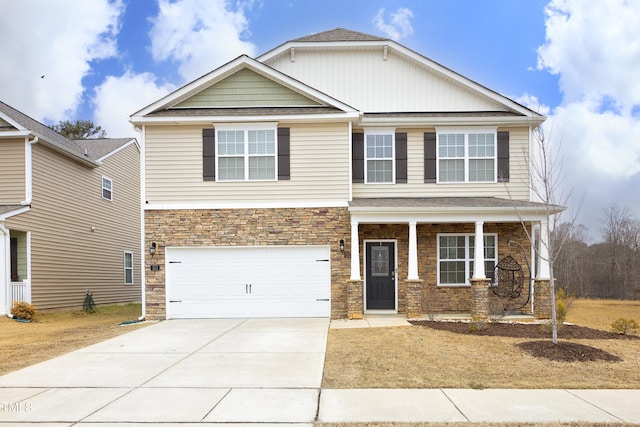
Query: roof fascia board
[(14, 134), (12, 122), (459, 78), (436, 215), (227, 70), (14, 212), (122, 147), (340, 117), (457, 121)]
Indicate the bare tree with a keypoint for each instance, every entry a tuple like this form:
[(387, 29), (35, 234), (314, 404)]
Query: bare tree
[(621, 235)]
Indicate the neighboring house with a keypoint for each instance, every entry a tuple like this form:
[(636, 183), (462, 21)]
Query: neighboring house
[(69, 216), (337, 174)]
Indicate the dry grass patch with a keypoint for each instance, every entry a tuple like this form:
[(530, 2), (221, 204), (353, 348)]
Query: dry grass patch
[(422, 357), (56, 333), (599, 314)]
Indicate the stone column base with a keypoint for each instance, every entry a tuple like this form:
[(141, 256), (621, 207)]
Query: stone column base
[(480, 298), (355, 299), (542, 298), (414, 298)]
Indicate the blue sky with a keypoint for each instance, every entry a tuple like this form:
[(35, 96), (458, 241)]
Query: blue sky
[(576, 61)]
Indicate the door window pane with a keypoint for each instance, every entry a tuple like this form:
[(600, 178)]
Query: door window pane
[(380, 261)]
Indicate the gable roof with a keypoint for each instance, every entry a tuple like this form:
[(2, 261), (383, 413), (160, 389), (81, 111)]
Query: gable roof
[(340, 37), (175, 102), (87, 151)]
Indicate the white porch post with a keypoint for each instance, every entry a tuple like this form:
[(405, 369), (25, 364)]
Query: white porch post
[(478, 254), (543, 251), (355, 252), (413, 251), (5, 287)]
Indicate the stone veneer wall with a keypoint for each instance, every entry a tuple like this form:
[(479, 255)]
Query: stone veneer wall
[(247, 227)]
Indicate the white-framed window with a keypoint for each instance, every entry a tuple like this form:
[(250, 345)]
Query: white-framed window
[(246, 153), (455, 258), (467, 156), (107, 188), (379, 157), (128, 268)]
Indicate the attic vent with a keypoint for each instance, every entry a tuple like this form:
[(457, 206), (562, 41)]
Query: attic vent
[(293, 55), (385, 52), (86, 154)]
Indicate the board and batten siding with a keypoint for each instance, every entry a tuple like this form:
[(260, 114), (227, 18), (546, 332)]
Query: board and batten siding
[(517, 188), (246, 88), (67, 258), (12, 171), (319, 168), (363, 79)]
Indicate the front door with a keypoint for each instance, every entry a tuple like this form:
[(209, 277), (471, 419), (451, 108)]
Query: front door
[(381, 275)]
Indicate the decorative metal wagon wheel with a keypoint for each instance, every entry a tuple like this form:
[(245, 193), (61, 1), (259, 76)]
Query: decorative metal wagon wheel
[(508, 278)]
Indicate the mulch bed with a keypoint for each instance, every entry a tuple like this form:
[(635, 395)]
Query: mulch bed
[(541, 346)]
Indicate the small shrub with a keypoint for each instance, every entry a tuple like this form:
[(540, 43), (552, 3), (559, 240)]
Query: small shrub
[(624, 326), (477, 325), (561, 311), (23, 310)]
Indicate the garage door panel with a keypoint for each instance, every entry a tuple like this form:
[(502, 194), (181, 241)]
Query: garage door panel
[(284, 281)]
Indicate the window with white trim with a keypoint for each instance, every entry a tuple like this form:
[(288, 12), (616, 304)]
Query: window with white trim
[(379, 158), (107, 188), (456, 257), (128, 268), (467, 156), (246, 154)]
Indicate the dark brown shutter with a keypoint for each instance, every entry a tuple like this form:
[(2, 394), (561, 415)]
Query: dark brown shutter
[(503, 156), (357, 157), (284, 157), (401, 157), (209, 154), (430, 157), (13, 255)]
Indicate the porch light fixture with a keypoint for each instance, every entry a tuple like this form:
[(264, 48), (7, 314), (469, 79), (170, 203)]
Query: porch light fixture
[(341, 245), (152, 249)]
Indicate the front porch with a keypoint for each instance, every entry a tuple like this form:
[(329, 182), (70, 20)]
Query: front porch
[(442, 255)]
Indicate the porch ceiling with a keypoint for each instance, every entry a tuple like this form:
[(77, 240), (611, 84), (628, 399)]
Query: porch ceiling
[(448, 209)]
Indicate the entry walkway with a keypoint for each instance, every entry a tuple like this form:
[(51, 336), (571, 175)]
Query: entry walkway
[(188, 372)]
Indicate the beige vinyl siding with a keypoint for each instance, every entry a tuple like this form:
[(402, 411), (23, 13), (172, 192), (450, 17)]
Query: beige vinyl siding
[(517, 187), (246, 88), (67, 258), (363, 79), (12, 171), (319, 168)]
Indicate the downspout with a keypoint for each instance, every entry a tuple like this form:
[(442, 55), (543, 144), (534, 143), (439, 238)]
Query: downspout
[(143, 253), (29, 169), (6, 268)]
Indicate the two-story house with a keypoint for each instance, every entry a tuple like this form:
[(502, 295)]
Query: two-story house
[(336, 175), (69, 216)]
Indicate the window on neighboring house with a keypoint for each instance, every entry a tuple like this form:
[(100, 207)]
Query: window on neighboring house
[(379, 158), (128, 268), (455, 258), (467, 156), (107, 188), (246, 154)]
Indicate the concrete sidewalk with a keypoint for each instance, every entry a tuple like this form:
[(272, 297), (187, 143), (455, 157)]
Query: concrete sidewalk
[(188, 372)]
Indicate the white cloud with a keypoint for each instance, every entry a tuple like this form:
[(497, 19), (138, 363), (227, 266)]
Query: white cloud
[(533, 103), (199, 35), (119, 97), (594, 48), (400, 25), (57, 40)]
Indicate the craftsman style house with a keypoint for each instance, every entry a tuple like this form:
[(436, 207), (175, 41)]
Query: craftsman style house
[(69, 216), (336, 175)]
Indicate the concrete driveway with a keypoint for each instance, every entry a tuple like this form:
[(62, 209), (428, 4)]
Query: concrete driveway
[(227, 370)]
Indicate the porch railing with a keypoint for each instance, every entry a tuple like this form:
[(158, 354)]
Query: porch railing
[(21, 291)]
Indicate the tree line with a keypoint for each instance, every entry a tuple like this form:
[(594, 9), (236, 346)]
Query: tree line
[(609, 268)]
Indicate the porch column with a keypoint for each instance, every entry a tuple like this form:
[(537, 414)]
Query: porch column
[(5, 303), (478, 254), (413, 251), (543, 251), (355, 252)]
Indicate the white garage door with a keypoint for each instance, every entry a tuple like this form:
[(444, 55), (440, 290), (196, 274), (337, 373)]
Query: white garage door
[(254, 281)]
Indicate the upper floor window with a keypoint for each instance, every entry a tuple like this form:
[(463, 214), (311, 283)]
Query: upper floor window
[(246, 154), (379, 158), (467, 156), (107, 188), (455, 257)]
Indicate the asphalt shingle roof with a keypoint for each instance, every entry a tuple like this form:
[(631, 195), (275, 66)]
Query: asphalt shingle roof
[(339, 35)]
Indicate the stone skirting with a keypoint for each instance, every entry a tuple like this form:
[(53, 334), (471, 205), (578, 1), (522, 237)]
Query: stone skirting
[(414, 298), (480, 298), (355, 299), (542, 301)]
